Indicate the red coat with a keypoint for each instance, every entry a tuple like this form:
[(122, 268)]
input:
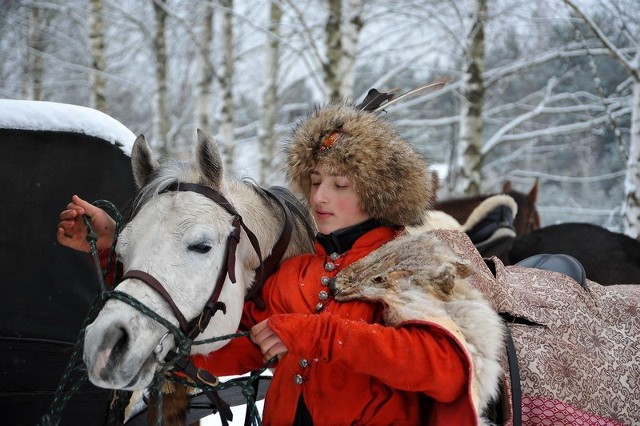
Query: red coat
[(349, 367)]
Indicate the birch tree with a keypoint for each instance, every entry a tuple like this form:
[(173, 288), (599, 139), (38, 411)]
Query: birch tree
[(342, 31), (207, 73), (266, 132), (469, 169), (36, 48), (98, 56), (227, 82), (631, 208), (161, 122)]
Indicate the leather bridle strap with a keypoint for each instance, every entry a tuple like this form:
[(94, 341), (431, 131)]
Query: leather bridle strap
[(197, 325), (219, 199), (155, 284)]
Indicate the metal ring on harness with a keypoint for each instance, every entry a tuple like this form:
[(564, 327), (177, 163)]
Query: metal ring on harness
[(158, 349)]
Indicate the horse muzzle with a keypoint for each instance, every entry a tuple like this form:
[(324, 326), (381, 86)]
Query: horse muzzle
[(113, 360)]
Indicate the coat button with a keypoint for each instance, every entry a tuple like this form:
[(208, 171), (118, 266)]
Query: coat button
[(323, 295), (325, 280), (319, 307), (334, 256), (303, 363), (298, 379), (329, 266)]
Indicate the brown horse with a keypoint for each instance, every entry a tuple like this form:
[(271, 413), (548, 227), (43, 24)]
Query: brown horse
[(526, 221)]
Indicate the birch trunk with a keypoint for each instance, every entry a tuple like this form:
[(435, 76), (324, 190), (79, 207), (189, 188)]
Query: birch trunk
[(36, 45), (266, 131), (350, 38), (226, 117), (161, 115), (98, 57), (469, 162), (333, 40), (205, 85), (341, 47), (631, 208)]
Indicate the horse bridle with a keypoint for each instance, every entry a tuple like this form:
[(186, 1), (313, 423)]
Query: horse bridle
[(197, 325), (178, 359)]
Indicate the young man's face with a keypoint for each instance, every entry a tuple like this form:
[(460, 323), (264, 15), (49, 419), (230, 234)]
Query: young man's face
[(334, 201)]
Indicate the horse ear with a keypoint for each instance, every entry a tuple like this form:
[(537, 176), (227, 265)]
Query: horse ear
[(142, 161), (209, 160), (533, 194)]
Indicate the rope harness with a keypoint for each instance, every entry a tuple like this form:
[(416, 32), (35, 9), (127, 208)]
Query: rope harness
[(177, 360)]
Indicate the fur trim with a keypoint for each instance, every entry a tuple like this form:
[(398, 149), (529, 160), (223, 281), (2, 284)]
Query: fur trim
[(486, 206), (420, 278), (392, 179), (436, 219)]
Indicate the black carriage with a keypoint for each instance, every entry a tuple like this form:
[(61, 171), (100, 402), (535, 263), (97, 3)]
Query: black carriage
[(49, 151)]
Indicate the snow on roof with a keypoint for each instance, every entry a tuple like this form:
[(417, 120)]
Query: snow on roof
[(58, 117)]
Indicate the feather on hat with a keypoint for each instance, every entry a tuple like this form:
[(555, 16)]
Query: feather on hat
[(391, 178)]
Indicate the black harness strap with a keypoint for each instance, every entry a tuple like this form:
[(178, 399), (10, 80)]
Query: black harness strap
[(514, 376)]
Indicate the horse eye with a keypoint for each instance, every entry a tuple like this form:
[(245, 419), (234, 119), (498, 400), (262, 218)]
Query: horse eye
[(200, 248), (378, 279)]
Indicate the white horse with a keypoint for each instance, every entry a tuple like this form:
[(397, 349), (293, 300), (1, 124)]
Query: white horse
[(184, 217)]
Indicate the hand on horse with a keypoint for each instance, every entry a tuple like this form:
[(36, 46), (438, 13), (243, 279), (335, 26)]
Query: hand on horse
[(270, 344), (72, 231)]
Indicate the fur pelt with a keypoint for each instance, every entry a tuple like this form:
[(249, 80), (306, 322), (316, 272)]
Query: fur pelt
[(392, 179), (435, 219), (418, 277)]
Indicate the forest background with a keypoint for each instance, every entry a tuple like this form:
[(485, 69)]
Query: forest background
[(545, 89)]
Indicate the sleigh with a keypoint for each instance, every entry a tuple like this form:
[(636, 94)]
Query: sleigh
[(45, 149)]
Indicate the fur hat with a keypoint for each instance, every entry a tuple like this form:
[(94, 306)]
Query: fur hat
[(392, 179)]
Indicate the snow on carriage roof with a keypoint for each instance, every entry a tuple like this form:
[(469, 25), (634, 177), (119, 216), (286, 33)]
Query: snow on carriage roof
[(54, 116)]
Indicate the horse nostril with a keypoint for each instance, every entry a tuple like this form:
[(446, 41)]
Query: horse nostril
[(110, 352), (115, 344), (121, 344)]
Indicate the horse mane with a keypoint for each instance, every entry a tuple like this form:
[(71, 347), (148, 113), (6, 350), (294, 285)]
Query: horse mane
[(170, 171), (297, 207)]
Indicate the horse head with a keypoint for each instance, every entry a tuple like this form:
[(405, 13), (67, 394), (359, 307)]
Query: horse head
[(188, 241)]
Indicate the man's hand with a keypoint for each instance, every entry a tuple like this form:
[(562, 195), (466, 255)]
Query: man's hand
[(270, 344), (72, 231)]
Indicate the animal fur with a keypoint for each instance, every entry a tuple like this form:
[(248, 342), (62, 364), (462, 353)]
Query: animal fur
[(418, 277)]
